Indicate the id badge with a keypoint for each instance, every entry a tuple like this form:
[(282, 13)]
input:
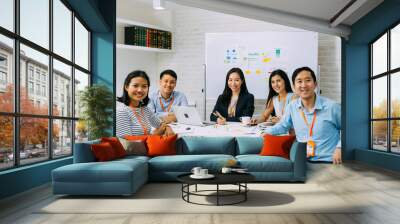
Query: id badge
[(310, 148)]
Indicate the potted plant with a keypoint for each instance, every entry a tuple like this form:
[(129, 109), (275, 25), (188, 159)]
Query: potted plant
[(96, 103)]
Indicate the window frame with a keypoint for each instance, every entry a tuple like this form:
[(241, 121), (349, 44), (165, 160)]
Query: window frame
[(15, 72), (388, 74)]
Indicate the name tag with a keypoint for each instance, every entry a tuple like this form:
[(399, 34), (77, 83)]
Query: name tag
[(310, 148)]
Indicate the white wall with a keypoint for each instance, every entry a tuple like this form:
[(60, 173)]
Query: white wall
[(190, 25), (128, 61)]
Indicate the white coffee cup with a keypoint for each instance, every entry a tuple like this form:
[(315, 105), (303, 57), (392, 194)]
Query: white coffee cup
[(245, 120), (196, 171), (203, 172), (226, 170)]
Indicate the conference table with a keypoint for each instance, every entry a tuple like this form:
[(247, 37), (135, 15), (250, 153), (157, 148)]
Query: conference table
[(234, 129)]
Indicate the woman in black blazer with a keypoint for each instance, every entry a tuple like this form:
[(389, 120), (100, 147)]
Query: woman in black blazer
[(235, 101)]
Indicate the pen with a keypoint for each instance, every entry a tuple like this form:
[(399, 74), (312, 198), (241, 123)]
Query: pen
[(216, 113)]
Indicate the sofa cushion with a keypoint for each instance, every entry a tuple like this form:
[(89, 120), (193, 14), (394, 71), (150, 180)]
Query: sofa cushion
[(257, 163), (134, 147), (103, 152), (185, 163), (112, 171), (116, 145), (161, 145), (197, 145), (277, 145), (248, 145)]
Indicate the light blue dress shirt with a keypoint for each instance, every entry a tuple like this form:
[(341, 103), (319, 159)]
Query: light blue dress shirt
[(155, 106), (327, 126)]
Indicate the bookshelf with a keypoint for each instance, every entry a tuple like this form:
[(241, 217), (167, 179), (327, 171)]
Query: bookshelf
[(122, 23)]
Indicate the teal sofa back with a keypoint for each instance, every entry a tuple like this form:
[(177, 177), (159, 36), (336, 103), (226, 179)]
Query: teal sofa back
[(198, 145), (248, 145)]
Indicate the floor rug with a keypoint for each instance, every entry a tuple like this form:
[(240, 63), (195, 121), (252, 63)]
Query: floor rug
[(167, 198)]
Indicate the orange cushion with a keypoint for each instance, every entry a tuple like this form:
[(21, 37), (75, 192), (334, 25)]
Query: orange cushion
[(103, 152), (161, 145), (277, 145), (135, 137), (116, 145)]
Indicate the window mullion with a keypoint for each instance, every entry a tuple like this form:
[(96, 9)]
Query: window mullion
[(16, 84), (73, 82), (50, 81)]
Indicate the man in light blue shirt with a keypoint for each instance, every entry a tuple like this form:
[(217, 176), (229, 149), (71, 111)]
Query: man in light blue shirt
[(163, 100), (324, 131)]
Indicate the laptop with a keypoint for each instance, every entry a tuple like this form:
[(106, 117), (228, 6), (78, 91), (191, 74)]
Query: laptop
[(189, 116)]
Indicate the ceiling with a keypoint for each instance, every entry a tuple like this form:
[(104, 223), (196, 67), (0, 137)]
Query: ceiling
[(324, 16)]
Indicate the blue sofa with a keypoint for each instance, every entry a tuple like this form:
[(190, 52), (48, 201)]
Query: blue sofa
[(125, 176)]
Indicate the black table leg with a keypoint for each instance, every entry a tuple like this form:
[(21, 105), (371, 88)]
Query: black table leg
[(217, 194), (245, 193)]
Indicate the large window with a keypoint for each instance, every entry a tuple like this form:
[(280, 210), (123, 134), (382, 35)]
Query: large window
[(385, 94), (44, 63)]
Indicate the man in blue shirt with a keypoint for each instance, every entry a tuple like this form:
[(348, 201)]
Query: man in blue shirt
[(315, 119), (163, 100)]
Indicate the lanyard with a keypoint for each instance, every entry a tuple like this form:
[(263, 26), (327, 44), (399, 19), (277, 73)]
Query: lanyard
[(313, 120), (169, 105), (140, 120)]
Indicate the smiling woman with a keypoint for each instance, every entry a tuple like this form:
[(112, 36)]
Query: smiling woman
[(133, 115), (235, 101)]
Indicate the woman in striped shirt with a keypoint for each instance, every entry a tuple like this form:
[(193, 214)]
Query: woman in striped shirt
[(133, 115)]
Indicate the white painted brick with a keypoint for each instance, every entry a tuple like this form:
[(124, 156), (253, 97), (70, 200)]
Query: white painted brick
[(190, 26)]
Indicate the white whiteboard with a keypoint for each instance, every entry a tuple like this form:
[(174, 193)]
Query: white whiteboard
[(257, 54)]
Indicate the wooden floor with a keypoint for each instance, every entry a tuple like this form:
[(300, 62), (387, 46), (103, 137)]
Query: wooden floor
[(378, 189)]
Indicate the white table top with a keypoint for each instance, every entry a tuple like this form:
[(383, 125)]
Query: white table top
[(233, 129)]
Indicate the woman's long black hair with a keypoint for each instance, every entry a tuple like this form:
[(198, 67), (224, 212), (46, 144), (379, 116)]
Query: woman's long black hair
[(285, 78), (227, 94), (125, 99)]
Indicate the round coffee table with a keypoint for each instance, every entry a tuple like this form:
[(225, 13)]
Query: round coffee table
[(238, 179)]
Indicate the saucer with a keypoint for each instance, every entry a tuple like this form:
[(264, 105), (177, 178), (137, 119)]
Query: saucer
[(208, 176)]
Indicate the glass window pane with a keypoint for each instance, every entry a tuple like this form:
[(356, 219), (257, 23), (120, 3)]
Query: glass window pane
[(81, 81), (62, 138), (395, 136), (35, 21), (34, 72), (379, 55), (379, 135), (6, 74), (62, 89), (395, 47), (6, 142), (7, 14), (379, 97), (395, 95), (81, 131), (33, 140), (81, 45), (62, 29)]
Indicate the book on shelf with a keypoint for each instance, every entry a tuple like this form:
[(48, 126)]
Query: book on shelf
[(148, 37)]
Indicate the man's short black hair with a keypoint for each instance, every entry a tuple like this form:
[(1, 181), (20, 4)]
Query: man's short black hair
[(297, 71), (169, 72)]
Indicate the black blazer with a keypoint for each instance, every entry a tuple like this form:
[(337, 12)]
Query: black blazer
[(244, 107)]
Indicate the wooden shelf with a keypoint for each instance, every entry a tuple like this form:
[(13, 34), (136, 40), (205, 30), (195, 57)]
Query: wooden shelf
[(140, 48), (125, 22)]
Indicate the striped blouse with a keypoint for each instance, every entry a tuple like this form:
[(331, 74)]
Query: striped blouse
[(128, 124)]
